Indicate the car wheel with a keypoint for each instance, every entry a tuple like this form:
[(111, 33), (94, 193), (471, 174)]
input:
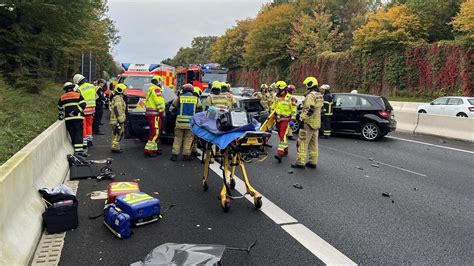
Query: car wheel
[(295, 127), (461, 115), (422, 111), (370, 131)]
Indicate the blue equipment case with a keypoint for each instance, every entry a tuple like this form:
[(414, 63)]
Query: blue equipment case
[(117, 221), (141, 207)]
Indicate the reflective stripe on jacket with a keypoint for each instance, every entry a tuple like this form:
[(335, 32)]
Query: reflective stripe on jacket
[(187, 104), (72, 105)]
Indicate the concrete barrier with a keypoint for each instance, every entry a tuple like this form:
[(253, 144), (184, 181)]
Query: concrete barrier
[(40, 163), (406, 121), (442, 126), (405, 106), (449, 127)]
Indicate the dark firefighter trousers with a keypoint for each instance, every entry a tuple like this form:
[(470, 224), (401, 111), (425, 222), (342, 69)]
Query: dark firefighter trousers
[(75, 129), (326, 125)]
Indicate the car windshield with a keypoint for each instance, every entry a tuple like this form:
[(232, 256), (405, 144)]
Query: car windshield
[(137, 82), (236, 91), (252, 106), (211, 77), (471, 101)]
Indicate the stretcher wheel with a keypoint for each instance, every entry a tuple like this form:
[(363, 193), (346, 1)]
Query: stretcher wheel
[(205, 187), (232, 183), (258, 203)]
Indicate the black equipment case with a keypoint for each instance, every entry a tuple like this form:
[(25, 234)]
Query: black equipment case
[(61, 213), (80, 168)]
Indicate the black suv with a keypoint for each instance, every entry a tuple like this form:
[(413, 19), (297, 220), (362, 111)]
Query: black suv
[(370, 116)]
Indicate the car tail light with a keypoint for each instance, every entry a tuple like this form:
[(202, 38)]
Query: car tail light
[(471, 109), (384, 114)]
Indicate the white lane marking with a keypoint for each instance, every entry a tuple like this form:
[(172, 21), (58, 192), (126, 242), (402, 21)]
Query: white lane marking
[(379, 162), (320, 248), (315, 244), (429, 144)]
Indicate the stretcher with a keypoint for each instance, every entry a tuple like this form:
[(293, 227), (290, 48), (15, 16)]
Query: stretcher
[(232, 149)]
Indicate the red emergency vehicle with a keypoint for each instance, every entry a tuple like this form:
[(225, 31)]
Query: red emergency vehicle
[(200, 75), (138, 77)]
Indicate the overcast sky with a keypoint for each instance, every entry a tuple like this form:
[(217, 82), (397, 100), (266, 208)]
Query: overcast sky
[(153, 30)]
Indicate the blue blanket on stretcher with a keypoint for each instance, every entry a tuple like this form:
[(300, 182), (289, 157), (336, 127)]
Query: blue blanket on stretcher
[(206, 129)]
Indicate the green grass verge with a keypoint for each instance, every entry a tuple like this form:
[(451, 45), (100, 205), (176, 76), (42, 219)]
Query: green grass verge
[(23, 116)]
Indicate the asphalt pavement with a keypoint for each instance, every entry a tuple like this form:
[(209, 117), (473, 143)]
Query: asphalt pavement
[(426, 215)]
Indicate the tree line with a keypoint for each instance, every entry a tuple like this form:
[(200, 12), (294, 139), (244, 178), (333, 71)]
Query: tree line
[(44, 40)]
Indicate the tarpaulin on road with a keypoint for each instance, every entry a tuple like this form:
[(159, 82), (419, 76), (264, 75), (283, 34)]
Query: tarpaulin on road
[(183, 254), (206, 129)]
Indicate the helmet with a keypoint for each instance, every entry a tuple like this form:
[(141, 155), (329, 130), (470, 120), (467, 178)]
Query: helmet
[(78, 78), (291, 88), (228, 85), (223, 84), (325, 87), (354, 91), (198, 91), (216, 85), (264, 86), (310, 82), (188, 88), (280, 85), (157, 79), (120, 88), (69, 86)]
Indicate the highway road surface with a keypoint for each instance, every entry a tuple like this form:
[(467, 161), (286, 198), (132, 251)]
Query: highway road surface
[(339, 216)]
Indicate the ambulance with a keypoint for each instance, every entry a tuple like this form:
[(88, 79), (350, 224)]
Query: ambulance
[(138, 77)]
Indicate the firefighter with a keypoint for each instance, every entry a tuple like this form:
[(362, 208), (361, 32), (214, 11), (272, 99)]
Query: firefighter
[(216, 99), (187, 104), (197, 93), (326, 112), (117, 116), (70, 106), (99, 107), (310, 121), (225, 90), (155, 106), (88, 92), (264, 96), (284, 111), (294, 100)]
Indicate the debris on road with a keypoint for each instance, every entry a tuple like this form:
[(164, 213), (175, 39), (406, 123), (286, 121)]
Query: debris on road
[(290, 172), (186, 254), (366, 176), (98, 195), (415, 189), (375, 165), (386, 194), (136, 179), (393, 201), (360, 168), (209, 228), (371, 159), (156, 193), (122, 173), (298, 186), (198, 225)]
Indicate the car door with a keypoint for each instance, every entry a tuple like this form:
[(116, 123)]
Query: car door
[(344, 113), (438, 106), (452, 107)]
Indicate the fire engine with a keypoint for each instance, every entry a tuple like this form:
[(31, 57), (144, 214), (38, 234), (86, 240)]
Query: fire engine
[(138, 77), (200, 75)]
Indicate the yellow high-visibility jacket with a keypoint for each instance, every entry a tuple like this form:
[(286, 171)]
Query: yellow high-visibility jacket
[(88, 92), (284, 107), (155, 103)]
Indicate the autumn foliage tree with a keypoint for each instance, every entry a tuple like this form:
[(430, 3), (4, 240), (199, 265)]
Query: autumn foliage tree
[(314, 34), (389, 28), (267, 41), (464, 21), (229, 48)]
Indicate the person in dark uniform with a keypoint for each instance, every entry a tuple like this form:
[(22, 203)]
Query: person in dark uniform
[(326, 113), (99, 107)]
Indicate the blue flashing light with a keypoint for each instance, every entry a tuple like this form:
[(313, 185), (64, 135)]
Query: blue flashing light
[(125, 66), (153, 67)]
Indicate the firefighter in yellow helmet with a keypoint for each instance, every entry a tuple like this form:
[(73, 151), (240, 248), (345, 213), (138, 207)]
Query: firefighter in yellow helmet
[(265, 95), (187, 104), (216, 99), (326, 113), (285, 111), (310, 122), (155, 106), (225, 90), (117, 116)]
